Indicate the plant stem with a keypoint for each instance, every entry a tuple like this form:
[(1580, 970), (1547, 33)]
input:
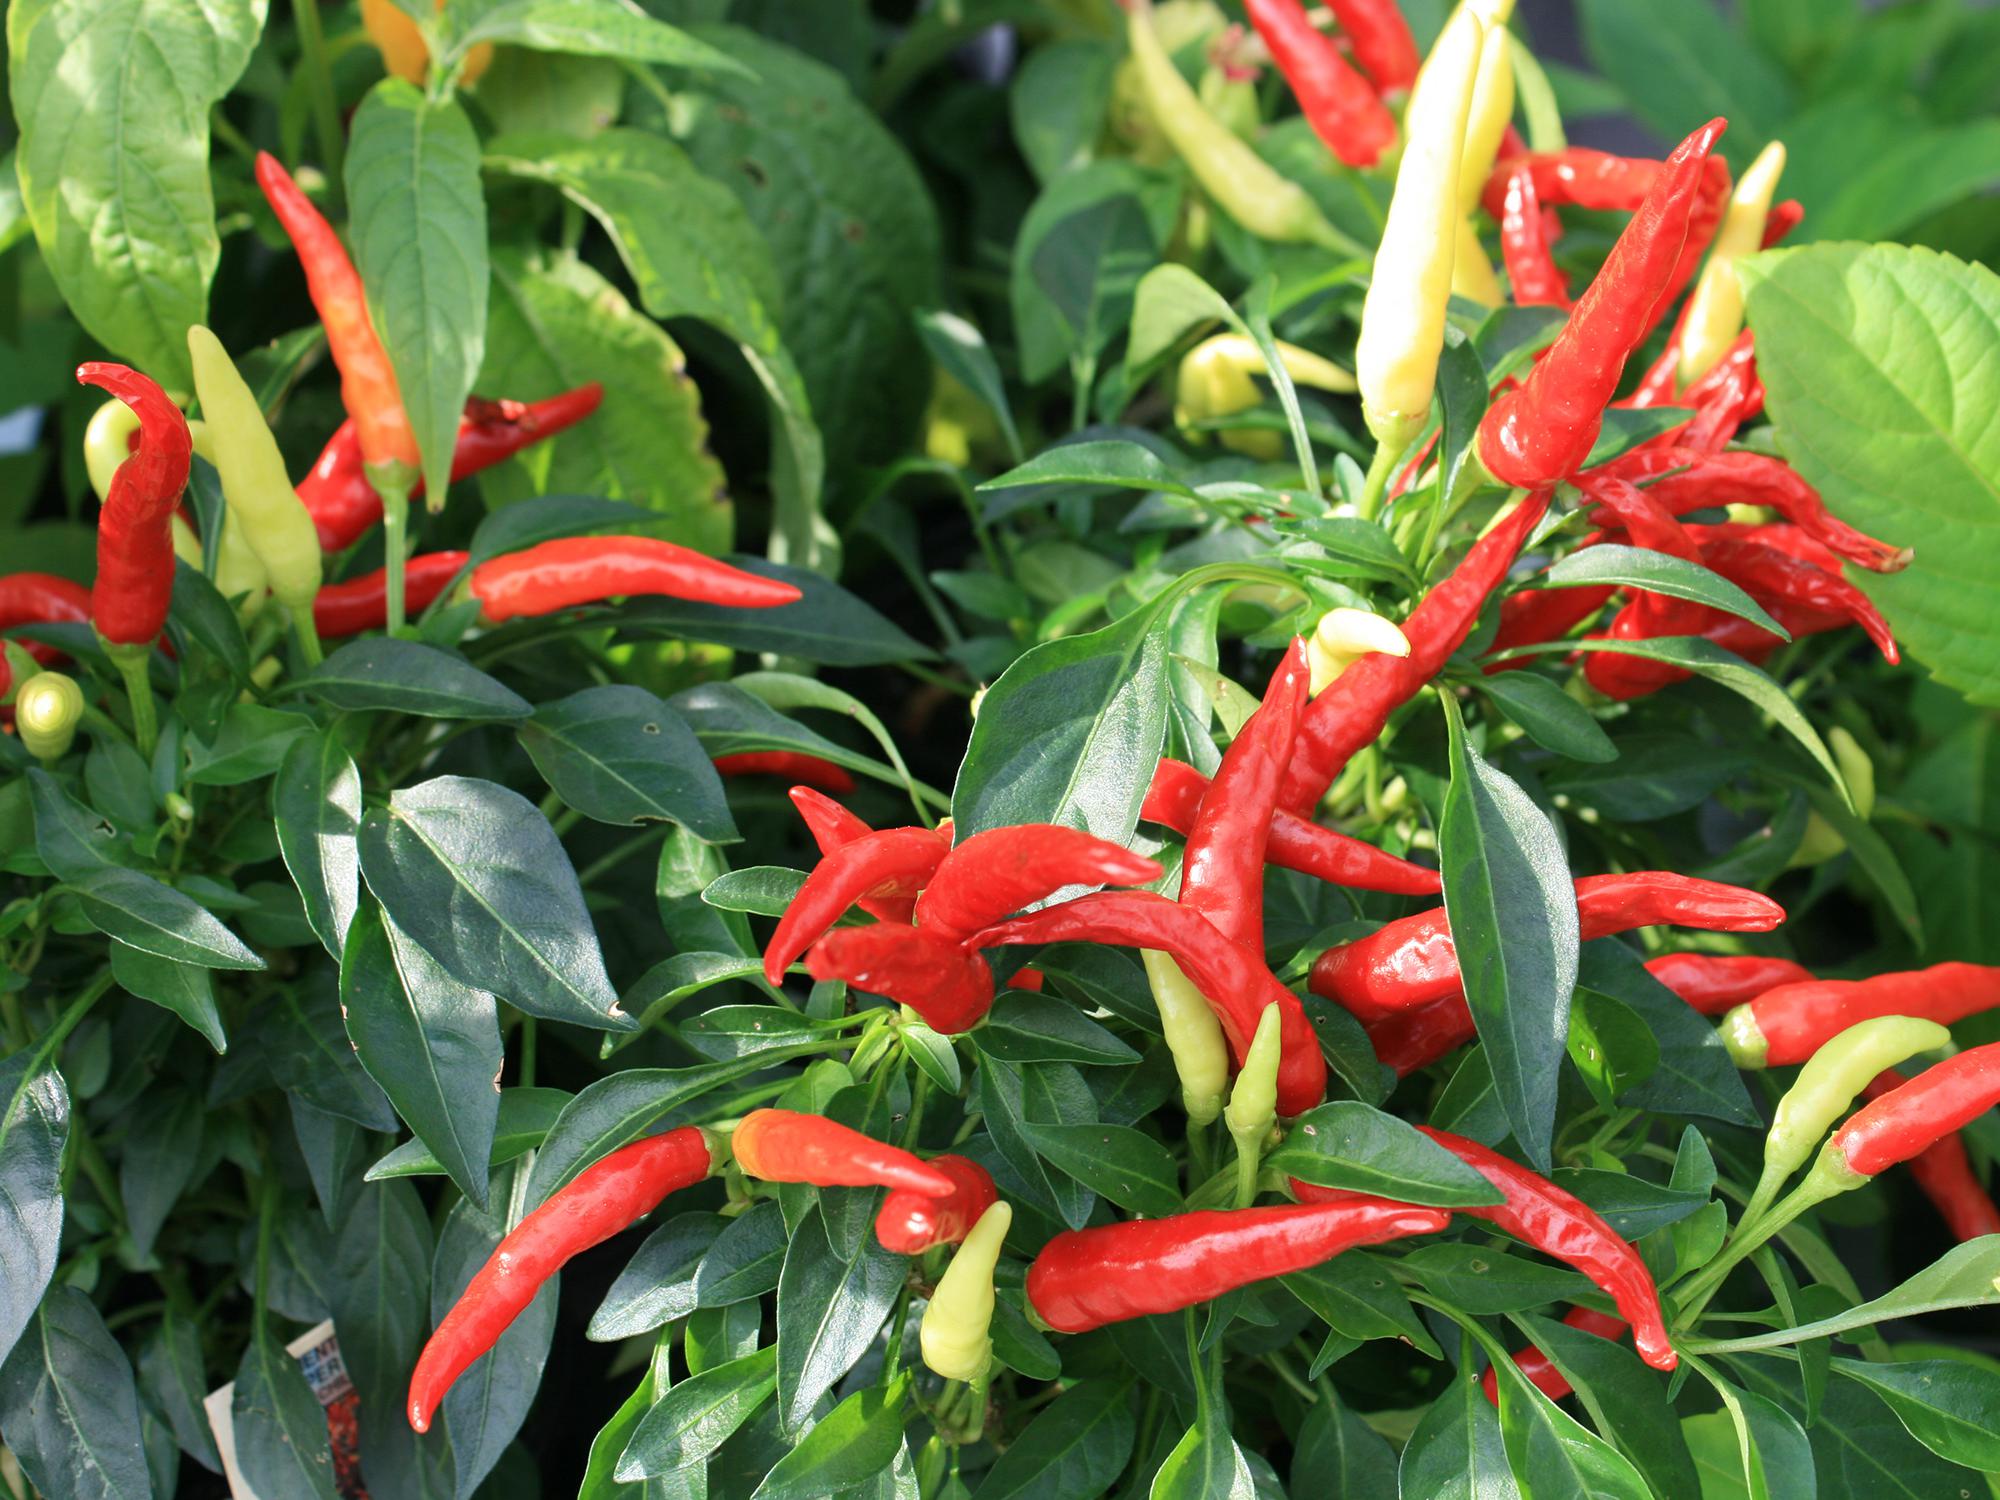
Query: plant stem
[(308, 633), (319, 86), (1376, 484), (132, 664)]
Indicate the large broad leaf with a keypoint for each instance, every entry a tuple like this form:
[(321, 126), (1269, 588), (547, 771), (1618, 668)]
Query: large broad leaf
[(316, 807), (1070, 734), (34, 1129), (477, 876), (693, 252), (619, 755), (1874, 167), (1679, 64), (70, 1409), (418, 223), (850, 227), (590, 28), (1880, 364), (1512, 908), (113, 97), (554, 323)]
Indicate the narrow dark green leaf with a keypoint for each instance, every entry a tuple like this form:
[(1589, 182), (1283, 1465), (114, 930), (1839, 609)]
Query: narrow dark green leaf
[(1549, 716), (1025, 1027), (1347, 1144), (1627, 1402), (526, 1116), (282, 1447), (1117, 1162), (34, 1129), (699, 1415), (657, 1285), (1611, 563), (188, 990), (158, 919), (1950, 1406), (830, 1307), (1072, 1450), (855, 1442), (316, 807), (70, 1408), (745, 1260), (380, 672), (620, 755)]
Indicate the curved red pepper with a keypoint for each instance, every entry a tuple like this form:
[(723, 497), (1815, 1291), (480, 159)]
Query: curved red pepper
[(1536, 615), (832, 826), (887, 863), (1295, 844), (910, 1223), (1783, 218), (794, 765), (935, 975), (1222, 870), (39, 599), (1341, 106), (135, 548), (342, 502), (362, 603), (1356, 707), (576, 570), (1909, 1119), (1769, 573), (1714, 982), (1794, 1021), (1231, 977), (1086, 1278), (1539, 1370), (997, 872), (1381, 40), (602, 1200), (1577, 176), (1524, 245), (782, 1145), (1944, 1173)]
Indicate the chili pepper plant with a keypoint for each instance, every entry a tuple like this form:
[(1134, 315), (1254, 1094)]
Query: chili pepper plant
[(1179, 748)]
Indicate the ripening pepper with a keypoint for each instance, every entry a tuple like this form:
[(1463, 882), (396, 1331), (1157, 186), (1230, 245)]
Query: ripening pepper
[(1194, 1036), (405, 54), (1714, 315), (1343, 636), (47, 710), (1486, 122), (1218, 378), (954, 1334)]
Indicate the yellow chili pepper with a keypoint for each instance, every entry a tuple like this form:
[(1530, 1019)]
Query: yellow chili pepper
[(1343, 636), (1402, 319), (1492, 107), (47, 709), (955, 1332), (1217, 378), (405, 54), (276, 525), (1821, 840), (1715, 311), (107, 443), (1194, 1037), (1253, 1103), (1246, 186)]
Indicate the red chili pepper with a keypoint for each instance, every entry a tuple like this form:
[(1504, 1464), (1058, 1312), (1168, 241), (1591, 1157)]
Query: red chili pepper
[(1086, 1278), (368, 386), (576, 570), (1356, 708), (1537, 615), (1381, 40), (997, 872), (1713, 982), (893, 862), (1782, 535), (1768, 573), (362, 603), (833, 826), (1944, 1172), (1531, 268), (1704, 219), (793, 765), (1025, 978), (782, 1145), (1413, 961), (343, 504), (1341, 106), (1231, 977), (1560, 1224), (39, 599), (1539, 1370), (135, 549), (1681, 479), (1789, 1024), (1908, 1120), (911, 1223), (1407, 1040), (600, 1201), (935, 975), (1295, 844), (1543, 430), (1222, 871), (1782, 220), (1594, 180), (1729, 395)]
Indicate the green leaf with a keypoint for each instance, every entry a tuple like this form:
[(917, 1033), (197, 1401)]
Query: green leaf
[(1058, 100), (1115, 462), (1206, 1464), (1338, 1453), (1015, 1095), (855, 1442), (1026, 1027), (1549, 716), (1070, 734), (1046, 336), (1347, 1144), (1512, 908), (1875, 168), (1947, 1404), (1659, 573), (657, 1286), (1613, 1049), (1357, 1296), (746, 1260), (1651, 776), (590, 28), (71, 839), (1695, 1075), (960, 350), (761, 890), (172, 1377), (473, 872), (249, 746), (1551, 1452), (1963, 1276), (728, 1032), (1486, 1280), (70, 1407), (698, 1416), (282, 1446), (381, 672), (1679, 63), (417, 221), (201, 614), (1073, 1449), (1626, 1401), (1125, 1165), (157, 919), (1457, 1453), (34, 1130), (113, 98), (620, 755), (1877, 361), (525, 1118), (316, 808), (830, 1306)]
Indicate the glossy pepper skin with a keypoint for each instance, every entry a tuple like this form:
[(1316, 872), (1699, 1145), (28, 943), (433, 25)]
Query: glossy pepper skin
[(368, 386), (576, 570), (1767, 572), (1000, 870), (883, 863), (39, 599), (344, 505), (600, 1201), (954, 1335), (1295, 844), (909, 1223), (358, 604), (1543, 430), (1342, 107), (1560, 1224), (1713, 982), (950, 987), (793, 765), (831, 826), (1944, 1172), (1232, 978), (1381, 40), (1413, 961), (1833, 1077), (781, 1145), (1539, 1370), (1788, 1024), (47, 709), (1356, 708), (1906, 1121), (1524, 245), (1222, 870), (135, 550), (1086, 1278)]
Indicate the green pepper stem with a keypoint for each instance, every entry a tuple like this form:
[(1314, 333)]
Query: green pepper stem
[(308, 633), (1376, 485), (1751, 1235), (1248, 1157), (393, 483), (132, 663), (319, 88)]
